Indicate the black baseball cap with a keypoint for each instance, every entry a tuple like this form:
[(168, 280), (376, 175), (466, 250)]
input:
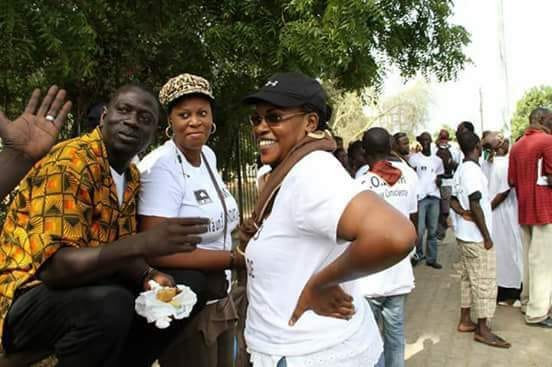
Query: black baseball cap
[(292, 89)]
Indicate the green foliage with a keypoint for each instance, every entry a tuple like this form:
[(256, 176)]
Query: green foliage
[(405, 111), (540, 96), (92, 47)]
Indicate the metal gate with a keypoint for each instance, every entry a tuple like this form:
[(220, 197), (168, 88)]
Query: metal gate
[(240, 172)]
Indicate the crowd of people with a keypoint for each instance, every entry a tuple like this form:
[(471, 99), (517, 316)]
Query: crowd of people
[(326, 280), (495, 202)]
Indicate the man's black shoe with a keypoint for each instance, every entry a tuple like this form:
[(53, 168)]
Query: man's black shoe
[(435, 265)]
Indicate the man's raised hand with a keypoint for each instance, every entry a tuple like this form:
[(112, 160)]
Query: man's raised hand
[(35, 131)]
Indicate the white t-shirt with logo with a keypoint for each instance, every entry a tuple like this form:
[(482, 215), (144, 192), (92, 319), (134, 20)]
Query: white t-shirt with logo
[(427, 168), (469, 178), (297, 240), (172, 187), (398, 279)]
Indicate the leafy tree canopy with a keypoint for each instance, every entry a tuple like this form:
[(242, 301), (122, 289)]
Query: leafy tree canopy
[(405, 111), (535, 97), (92, 47)]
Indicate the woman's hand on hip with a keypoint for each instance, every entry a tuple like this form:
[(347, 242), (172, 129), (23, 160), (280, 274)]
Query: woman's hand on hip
[(331, 301)]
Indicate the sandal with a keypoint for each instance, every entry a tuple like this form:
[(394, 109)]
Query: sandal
[(493, 341)]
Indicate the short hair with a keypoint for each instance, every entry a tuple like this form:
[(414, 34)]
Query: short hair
[(398, 136), (424, 133), (538, 114), (376, 140), (467, 124), (133, 86), (354, 147), (468, 141)]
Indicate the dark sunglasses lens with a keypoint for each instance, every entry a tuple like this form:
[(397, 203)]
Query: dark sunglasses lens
[(255, 119), (273, 118)]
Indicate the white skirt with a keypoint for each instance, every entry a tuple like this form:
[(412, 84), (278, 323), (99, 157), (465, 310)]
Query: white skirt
[(363, 348)]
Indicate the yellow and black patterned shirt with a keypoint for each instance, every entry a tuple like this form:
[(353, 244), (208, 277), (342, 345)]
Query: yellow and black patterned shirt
[(67, 199)]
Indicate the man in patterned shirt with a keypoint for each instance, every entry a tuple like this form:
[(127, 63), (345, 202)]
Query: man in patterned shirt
[(70, 259)]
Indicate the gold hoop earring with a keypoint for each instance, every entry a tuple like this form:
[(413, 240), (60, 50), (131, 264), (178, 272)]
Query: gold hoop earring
[(168, 131), (213, 129)]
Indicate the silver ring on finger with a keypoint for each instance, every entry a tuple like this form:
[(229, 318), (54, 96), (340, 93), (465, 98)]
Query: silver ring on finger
[(50, 118)]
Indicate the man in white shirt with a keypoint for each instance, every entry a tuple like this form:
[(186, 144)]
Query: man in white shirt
[(429, 169), (386, 291), (506, 230), (478, 257)]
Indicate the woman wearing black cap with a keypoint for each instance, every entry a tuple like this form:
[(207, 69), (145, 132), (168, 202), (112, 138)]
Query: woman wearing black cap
[(180, 179), (312, 230)]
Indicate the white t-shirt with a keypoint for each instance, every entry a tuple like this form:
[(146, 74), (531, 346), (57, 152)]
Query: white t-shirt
[(427, 169), (398, 279), (468, 179), (362, 170), (298, 239), (172, 187), (120, 184)]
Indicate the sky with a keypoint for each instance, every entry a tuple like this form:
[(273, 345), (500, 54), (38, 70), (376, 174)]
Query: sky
[(480, 93)]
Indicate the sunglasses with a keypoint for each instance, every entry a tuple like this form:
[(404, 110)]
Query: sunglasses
[(272, 118)]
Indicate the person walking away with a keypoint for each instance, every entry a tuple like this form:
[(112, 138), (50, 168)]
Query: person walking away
[(386, 291)]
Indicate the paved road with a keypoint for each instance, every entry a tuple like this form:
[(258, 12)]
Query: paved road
[(432, 314)]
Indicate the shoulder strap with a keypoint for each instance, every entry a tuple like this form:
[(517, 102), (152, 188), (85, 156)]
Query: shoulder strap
[(220, 195)]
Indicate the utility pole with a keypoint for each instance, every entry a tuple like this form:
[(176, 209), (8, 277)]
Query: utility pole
[(505, 108), (481, 109)]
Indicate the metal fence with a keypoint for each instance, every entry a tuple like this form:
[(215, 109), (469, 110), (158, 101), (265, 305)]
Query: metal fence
[(240, 171)]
